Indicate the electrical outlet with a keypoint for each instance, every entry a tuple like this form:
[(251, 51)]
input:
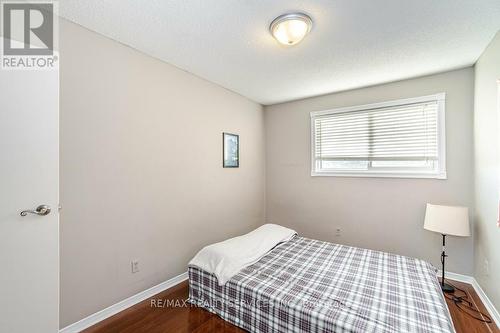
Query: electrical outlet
[(135, 266), (486, 267), (338, 232)]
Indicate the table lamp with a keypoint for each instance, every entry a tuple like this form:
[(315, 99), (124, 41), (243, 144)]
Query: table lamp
[(447, 220)]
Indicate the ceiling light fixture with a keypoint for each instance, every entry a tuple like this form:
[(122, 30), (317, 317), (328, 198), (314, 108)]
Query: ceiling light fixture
[(290, 29)]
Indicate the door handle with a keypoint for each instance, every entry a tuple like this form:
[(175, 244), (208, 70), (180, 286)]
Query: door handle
[(41, 210)]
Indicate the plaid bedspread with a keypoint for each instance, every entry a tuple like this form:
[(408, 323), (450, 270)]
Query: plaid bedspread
[(307, 285)]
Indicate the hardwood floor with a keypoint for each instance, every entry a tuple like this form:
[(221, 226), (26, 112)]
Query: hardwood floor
[(464, 323), (155, 316)]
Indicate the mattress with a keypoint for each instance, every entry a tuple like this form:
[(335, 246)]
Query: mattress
[(306, 285)]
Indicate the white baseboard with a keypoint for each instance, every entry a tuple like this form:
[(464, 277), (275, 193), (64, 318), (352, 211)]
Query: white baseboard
[(487, 303), (457, 277), (480, 292), (120, 306)]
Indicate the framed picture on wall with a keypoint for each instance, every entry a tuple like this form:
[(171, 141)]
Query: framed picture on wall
[(231, 150)]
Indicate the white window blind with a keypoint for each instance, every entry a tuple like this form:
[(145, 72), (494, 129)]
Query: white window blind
[(395, 138)]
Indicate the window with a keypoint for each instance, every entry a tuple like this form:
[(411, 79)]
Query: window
[(404, 138)]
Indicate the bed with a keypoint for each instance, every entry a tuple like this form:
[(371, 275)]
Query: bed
[(307, 285)]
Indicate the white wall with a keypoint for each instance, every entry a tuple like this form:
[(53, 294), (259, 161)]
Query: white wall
[(377, 213), (486, 143), (141, 174)]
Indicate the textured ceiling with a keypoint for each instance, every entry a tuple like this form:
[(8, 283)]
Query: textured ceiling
[(353, 43)]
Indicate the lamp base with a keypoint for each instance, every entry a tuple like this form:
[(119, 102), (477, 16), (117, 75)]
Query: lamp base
[(446, 288)]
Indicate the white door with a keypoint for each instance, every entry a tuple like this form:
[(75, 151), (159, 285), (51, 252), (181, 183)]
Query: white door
[(29, 177)]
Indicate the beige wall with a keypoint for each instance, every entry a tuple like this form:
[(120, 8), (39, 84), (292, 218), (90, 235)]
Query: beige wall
[(377, 213), (486, 136), (141, 174)]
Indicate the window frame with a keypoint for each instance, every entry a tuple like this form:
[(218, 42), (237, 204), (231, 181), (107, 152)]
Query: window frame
[(392, 172)]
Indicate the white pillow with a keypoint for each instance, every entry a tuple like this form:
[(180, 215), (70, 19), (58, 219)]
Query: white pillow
[(227, 258)]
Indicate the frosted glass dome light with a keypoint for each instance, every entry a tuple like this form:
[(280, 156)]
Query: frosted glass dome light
[(290, 29)]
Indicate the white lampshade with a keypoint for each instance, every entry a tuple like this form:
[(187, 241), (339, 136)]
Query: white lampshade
[(447, 220)]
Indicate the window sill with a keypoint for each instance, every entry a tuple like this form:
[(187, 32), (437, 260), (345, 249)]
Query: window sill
[(440, 175)]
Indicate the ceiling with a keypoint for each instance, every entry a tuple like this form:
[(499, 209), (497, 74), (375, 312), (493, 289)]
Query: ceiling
[(353, 43)]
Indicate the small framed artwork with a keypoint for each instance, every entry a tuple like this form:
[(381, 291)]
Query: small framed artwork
[(231, 150)]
